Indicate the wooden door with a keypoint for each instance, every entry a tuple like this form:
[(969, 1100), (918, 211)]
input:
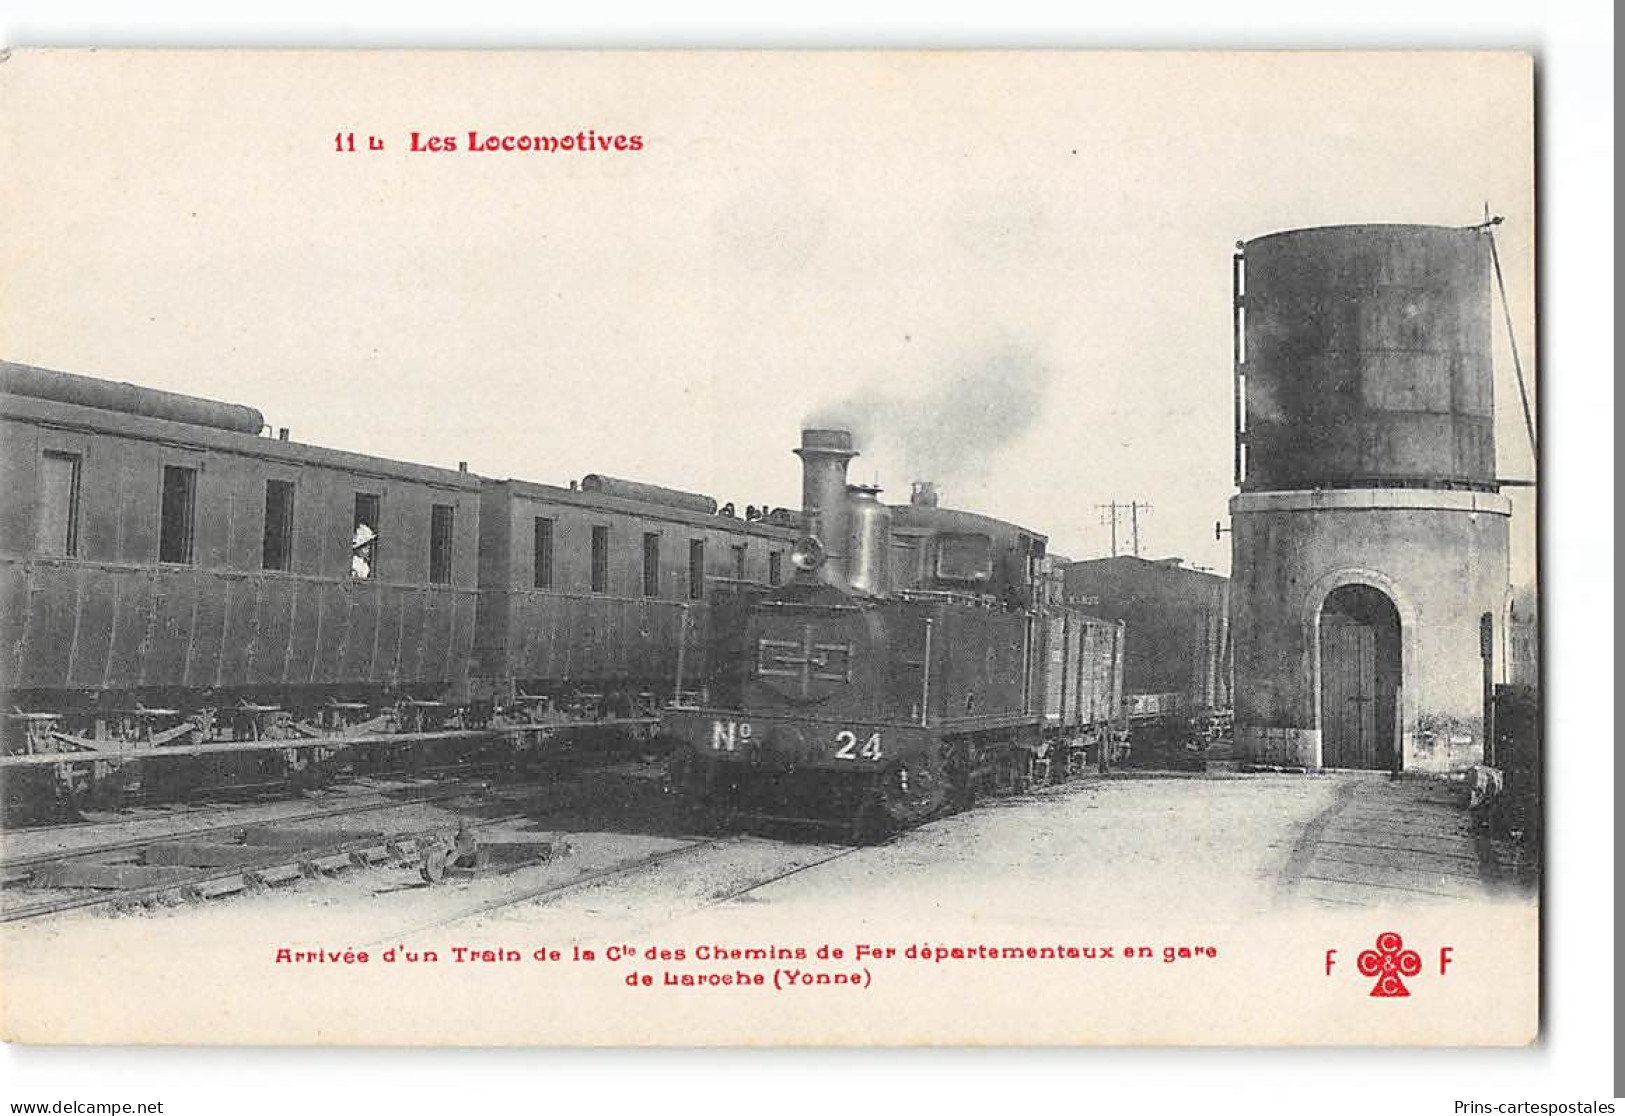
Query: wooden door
[(1348, 689)]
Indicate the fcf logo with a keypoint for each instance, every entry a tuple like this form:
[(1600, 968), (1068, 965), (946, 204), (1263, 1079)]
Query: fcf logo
[(1390, 963)]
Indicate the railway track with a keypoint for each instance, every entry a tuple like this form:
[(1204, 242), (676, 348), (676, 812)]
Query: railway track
[(757, 885), (368, 796), (126, 873), (627, 871), (554, 890)]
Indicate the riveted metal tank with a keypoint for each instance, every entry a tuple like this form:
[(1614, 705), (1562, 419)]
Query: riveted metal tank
[(1364, 359)]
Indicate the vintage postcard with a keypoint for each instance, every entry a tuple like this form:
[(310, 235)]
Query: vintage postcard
[(769, 548)]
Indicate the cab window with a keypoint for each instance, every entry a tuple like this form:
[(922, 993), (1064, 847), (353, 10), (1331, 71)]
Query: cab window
[(964, 557)]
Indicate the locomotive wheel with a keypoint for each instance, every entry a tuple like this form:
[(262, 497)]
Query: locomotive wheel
[(1021, 772), (871, 824), (961, 772), (106, 792), (965, 794), (708, 816), (701, 809), (173, 780), (657, 748), (306, 776), (706, 812), (33, 797), (914, 792)]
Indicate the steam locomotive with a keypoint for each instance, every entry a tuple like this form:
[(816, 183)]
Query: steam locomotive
[(919, 657)]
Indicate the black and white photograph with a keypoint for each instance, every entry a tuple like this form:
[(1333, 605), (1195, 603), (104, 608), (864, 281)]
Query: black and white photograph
[(763, 548)]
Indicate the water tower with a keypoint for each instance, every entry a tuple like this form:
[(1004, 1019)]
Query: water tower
[(1370, 589)]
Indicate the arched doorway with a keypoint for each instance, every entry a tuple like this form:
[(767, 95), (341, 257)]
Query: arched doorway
[(1359, 678)]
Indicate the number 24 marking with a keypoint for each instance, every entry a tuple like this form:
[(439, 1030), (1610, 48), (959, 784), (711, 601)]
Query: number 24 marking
[(849, 749)]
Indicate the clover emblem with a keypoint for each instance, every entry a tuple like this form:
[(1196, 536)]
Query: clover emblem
[(1390, 962)]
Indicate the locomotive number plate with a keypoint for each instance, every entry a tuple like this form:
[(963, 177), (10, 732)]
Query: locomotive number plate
[(850, 750), (727, 736)]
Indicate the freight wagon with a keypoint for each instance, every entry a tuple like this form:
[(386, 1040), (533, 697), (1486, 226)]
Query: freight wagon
[(1177, 662)]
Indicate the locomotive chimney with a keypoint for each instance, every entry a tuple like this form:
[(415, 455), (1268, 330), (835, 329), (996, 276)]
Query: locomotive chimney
[(824, 456)]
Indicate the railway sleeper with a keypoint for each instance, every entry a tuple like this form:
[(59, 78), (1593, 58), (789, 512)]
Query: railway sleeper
[(198, 854), (106, 877), (176, 879)]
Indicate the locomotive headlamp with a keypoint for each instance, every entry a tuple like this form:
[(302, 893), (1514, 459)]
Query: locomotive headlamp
[(807, 554)]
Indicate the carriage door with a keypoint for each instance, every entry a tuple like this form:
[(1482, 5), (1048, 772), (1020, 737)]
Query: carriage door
[(1359, 678)]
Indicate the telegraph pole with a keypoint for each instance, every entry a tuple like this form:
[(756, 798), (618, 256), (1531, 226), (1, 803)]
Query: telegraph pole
[(1109, 514)]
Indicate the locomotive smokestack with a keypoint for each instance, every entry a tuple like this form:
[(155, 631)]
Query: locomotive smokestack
[(824, 456)]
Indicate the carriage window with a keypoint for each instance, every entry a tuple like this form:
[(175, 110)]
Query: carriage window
[(651, 565), (440, 536), (175, 510), (600, 559), (364, 540), (696, 569), (775, 568), (542, 568), (276, 550), (59, 504), (739, 562)]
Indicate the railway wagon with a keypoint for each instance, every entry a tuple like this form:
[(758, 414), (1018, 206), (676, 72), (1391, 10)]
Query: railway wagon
[(1082, 684), (1177, 661), (593, 598), (174, 585), (901, 672), (169, 576), (148, 561)]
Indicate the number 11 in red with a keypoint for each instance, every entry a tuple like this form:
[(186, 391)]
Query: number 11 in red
[(345, 141)]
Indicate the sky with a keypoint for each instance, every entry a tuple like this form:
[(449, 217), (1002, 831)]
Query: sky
[(1011, 272)]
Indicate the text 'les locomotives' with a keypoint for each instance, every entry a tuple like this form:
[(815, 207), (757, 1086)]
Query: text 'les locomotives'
[(585, 141)]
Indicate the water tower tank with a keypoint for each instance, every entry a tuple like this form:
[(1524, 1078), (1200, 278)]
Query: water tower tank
[(1366, 359)]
